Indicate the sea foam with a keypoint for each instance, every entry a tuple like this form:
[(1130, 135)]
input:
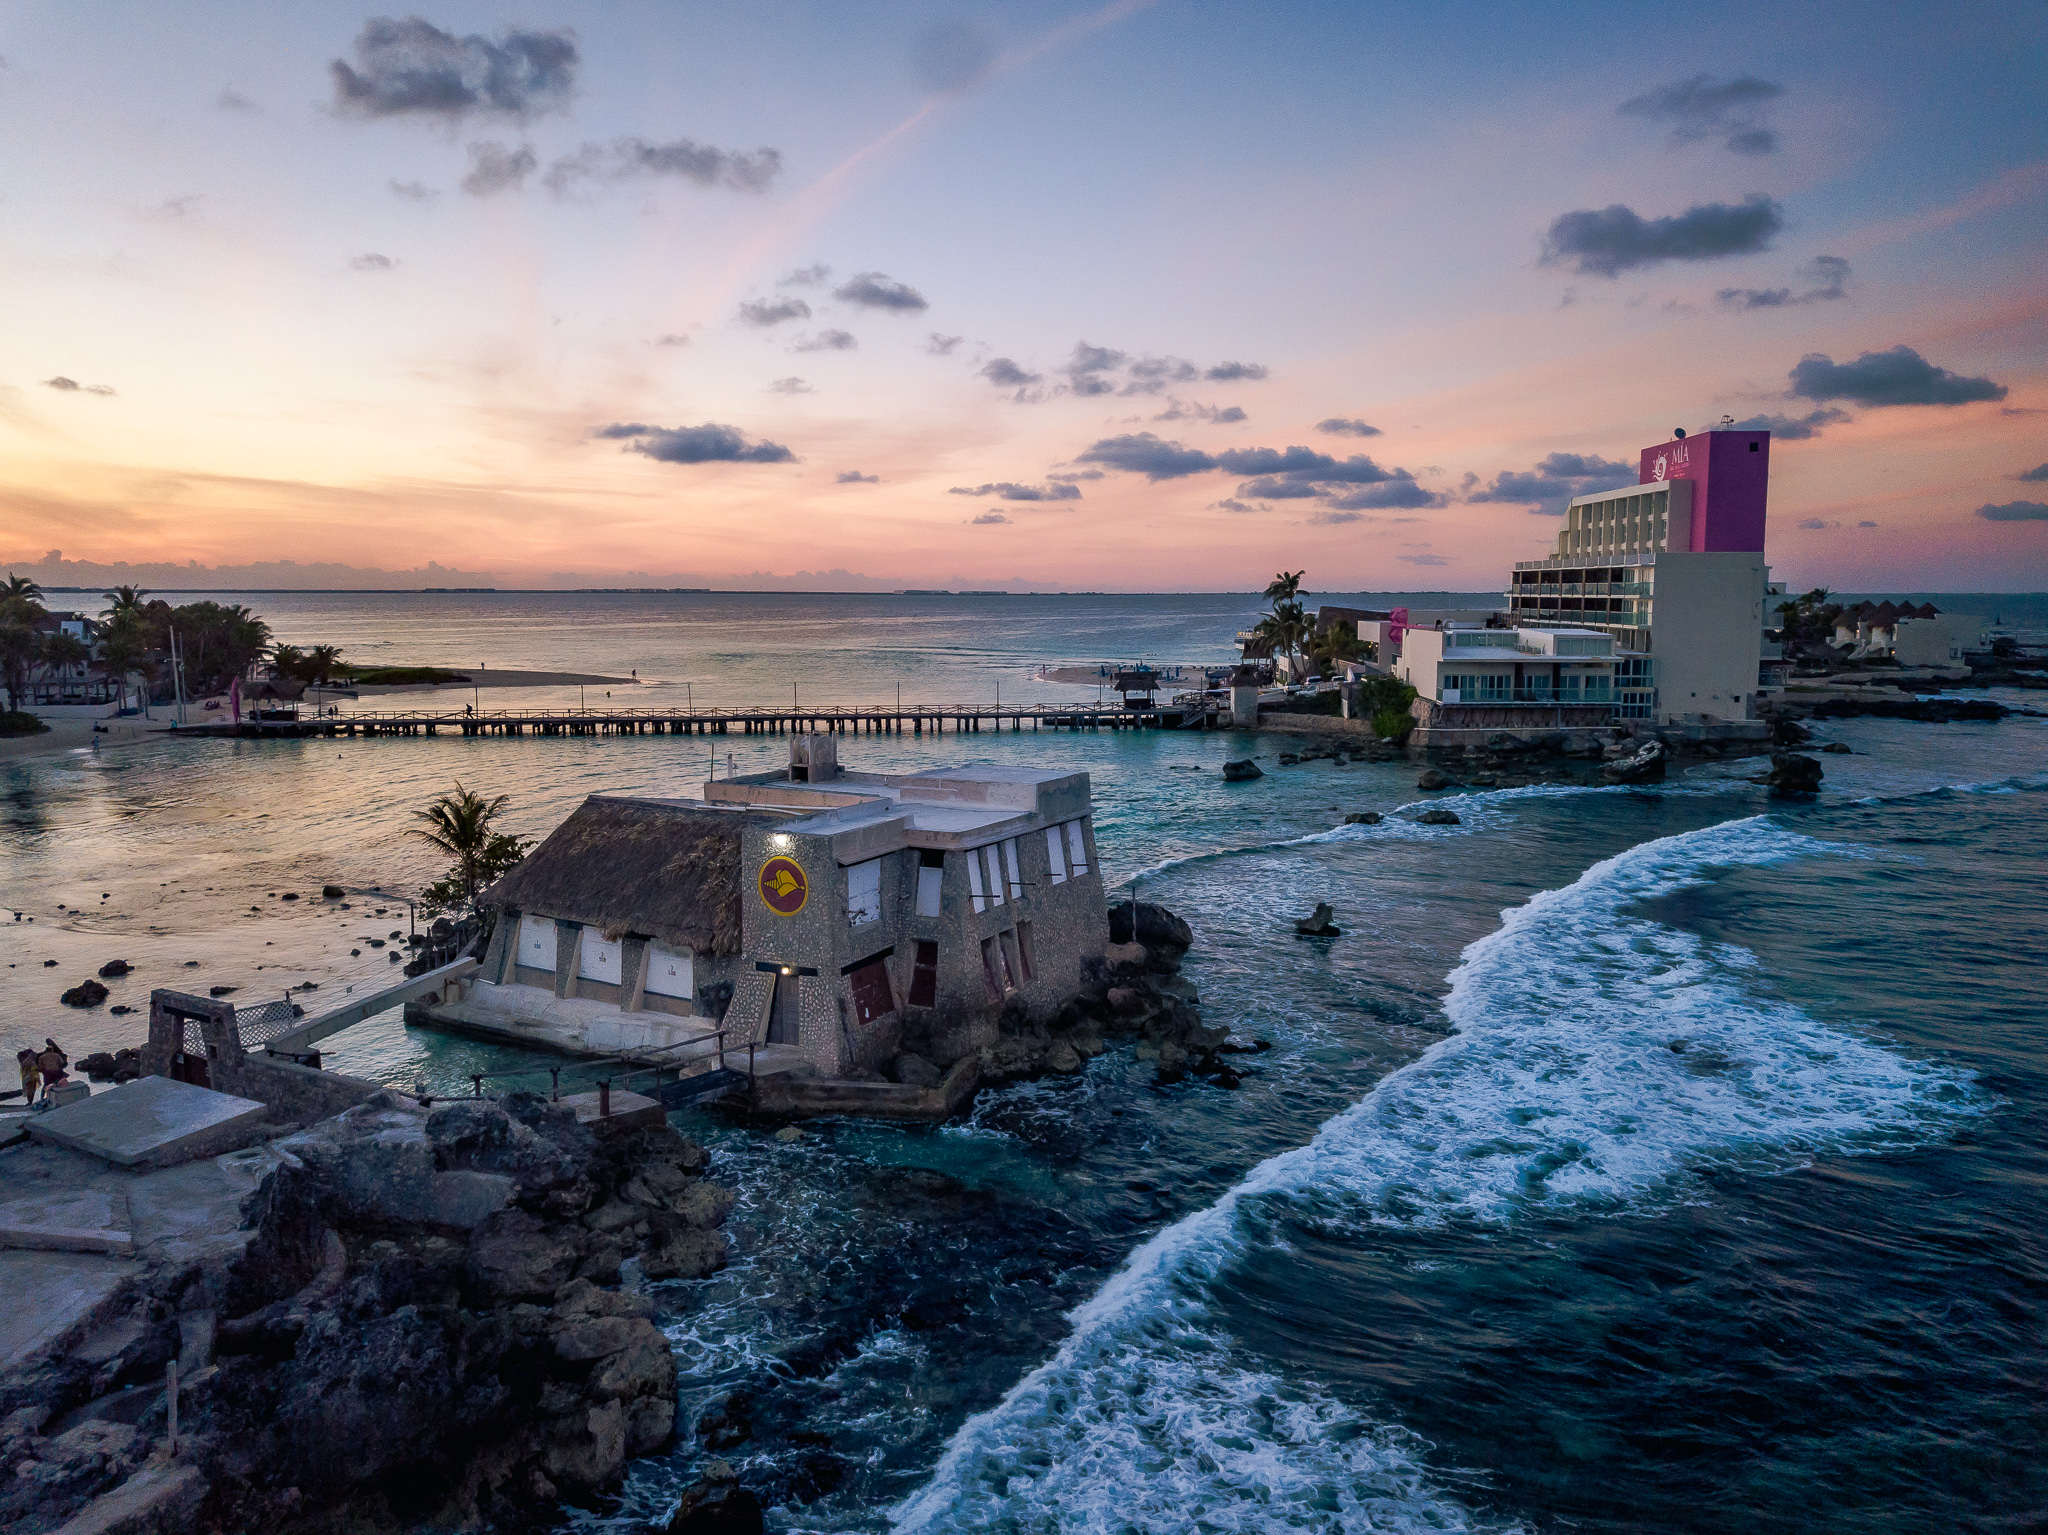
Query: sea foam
[(1560, 1093)]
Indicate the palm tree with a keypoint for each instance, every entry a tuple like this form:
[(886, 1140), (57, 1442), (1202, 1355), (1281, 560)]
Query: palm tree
[(1288, 625), (21, 636), (1284, 587), (287, 661), (321, 661), (459, 824), (124, 600)]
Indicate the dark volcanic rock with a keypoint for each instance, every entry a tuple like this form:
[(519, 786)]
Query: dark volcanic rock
[(1158, 929), (1438, 816), (114, 967), (1839, 748), (1363, 818), (1433, 778), (1319, 924), (1242, 771), (1793, 774), (717, 1505), (1646, 765), (86, 993)]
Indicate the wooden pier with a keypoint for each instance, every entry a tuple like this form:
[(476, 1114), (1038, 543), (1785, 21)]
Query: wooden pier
[(890, 719)]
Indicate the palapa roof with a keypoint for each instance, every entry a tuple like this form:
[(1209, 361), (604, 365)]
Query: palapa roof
[(661, 869)]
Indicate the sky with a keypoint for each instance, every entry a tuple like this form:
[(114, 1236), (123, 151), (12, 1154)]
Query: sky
[(1149, 295)]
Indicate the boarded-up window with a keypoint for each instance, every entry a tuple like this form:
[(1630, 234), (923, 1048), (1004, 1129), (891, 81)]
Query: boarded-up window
[(974, 881), (1077, 848), (1011, 966), (1056, 855), (931, 878), (1010, 868), (1024, 950), (864, 893), (537, 943), (995, 873), (597, 958), (924, 976), (992, 965), (871, 995), (670, 972)]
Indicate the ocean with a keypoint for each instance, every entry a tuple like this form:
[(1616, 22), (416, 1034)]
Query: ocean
[(1661, 1159)]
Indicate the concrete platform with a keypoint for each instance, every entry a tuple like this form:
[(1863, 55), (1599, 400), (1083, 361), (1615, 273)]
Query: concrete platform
[(150, 1122), (53, 1296), (630, 1111), (86, 1220)]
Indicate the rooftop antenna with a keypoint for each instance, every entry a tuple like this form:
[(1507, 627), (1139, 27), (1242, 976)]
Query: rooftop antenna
[(1727, 421)]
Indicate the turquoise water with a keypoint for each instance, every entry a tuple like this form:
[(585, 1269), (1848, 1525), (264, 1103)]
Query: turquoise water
[(1637, 1160)]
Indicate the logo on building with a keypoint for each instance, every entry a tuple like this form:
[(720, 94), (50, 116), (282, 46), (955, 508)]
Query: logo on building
[(783, 886), (1661, 468)]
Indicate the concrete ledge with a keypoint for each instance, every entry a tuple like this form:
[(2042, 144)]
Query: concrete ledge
[(815, 1097), (75, 1221), (151, 1122), (630, 1111), (157, 1500)]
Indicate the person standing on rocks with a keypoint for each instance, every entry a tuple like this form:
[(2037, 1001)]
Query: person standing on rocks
[(29, 1074), (51, 1064)]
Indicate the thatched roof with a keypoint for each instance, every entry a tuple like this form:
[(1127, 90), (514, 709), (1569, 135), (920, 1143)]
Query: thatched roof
[(639, 866)]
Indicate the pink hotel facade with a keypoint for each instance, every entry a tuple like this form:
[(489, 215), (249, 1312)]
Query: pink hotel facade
[(1673, 568)]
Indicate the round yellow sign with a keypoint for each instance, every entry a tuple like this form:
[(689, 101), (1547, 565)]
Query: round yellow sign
[(783, 887)]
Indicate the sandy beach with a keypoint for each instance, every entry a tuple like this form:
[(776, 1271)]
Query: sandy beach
[(74, 735)]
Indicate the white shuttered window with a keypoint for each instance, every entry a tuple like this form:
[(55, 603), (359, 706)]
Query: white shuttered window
[(1077, 847), (670, 972), (537, 943), (1010, 867), (864, 893), (597, 957), (995, 872), (931, 882), (1056, 855), (974, 880)]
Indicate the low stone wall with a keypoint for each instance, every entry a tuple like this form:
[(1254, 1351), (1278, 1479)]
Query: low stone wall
[(814, 1097)]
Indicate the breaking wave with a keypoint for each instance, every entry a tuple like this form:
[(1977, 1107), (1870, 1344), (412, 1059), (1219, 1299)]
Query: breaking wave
[(1602, 1063)]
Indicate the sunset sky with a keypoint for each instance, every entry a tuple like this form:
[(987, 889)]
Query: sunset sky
[(1144, 296)]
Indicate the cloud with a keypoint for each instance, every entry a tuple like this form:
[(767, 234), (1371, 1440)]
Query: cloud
[(1346, 426), (414, 191), (1328, 519), (1703, 108), (1005, 374), (1232, 504), (951, 56), (1827, 277), (1079, 474), (1811, 524), (1085, 368), (876, 290), (65, 385), (1898, 377), (1150, 375), (706, 444), (183, 206), (942, 346), (2033, 476), (826, 341), (495, 168), (1181, 410), (1305, 464), (1271, 489), (2015, 511), (672, 339), (412, 68), (1422, 559), (1147, 454), (1793, 428), (1616, 239), (1401, 491), (1008, 491), (702, 164), (804, 276), (855, 477), (232, 100), (764, 312), (370, 261), (1233, 372), (1549, 487), (790, 386), (986, 518), (1866, 524)]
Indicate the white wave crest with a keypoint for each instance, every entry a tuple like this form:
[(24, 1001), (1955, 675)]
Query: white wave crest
[(1561, 1093)]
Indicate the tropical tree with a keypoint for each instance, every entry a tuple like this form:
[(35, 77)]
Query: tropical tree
[(1288, 625), (321, 661), (461, 825), (123, 601), (61, 650), (21, 636), (287, 661)]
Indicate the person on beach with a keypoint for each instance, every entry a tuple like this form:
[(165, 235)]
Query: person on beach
[(27, 1061), (51, 1064)]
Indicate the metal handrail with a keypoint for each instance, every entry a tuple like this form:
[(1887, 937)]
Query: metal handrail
[(633, 1063)]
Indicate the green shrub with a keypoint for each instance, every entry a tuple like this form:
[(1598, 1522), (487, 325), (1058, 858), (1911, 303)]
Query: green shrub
[(1392, 724), (17, 722), (394, 676)]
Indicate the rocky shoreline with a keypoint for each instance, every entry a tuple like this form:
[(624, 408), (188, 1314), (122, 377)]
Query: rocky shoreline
[(420, 1324)]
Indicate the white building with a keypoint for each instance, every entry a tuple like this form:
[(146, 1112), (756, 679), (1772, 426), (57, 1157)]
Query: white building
[(1550, 668)]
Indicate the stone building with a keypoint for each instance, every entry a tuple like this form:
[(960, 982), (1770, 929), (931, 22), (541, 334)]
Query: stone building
[(842, 916)]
